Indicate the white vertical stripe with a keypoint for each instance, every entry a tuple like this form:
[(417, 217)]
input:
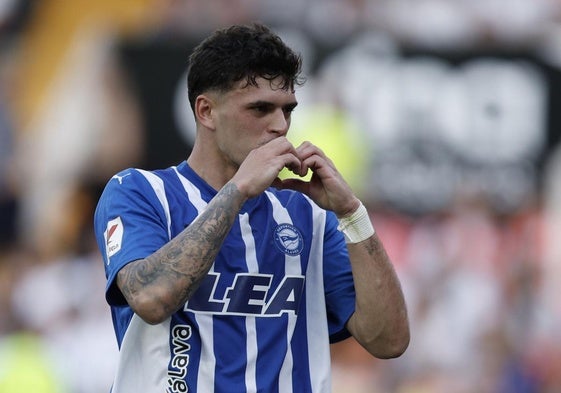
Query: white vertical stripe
[(144, 356), (318, 338), (250, 325), (207, 365), (158, 186), (247, 236), (193, 192), (251, 348), (292, 267)]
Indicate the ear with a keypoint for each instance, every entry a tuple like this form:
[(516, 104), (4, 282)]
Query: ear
[(203, 111)]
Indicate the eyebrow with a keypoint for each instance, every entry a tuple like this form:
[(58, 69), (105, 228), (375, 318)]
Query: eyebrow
[(290, 105)]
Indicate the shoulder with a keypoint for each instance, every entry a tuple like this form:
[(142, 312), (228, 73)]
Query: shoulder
[(128, 187), (131, 194), (137, 178), (126, 178)]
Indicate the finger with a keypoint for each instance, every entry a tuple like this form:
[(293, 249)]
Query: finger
[(281, 145), (293, 184), (300, 170), (317, 164), (290, 157), (292, 162), (307, 149), (277, 183)]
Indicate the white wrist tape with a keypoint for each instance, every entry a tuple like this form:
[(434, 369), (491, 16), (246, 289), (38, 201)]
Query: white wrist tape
[(356, 227)]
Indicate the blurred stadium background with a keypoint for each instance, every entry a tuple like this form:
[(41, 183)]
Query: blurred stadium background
[(444, 115)]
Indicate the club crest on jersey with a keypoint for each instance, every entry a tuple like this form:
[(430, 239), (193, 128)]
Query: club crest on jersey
[(113, 236), (288, 239)]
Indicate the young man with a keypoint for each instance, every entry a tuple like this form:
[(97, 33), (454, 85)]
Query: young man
[(223, 278)]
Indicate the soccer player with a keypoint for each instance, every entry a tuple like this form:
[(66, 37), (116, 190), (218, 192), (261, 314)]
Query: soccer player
[(220, 276)]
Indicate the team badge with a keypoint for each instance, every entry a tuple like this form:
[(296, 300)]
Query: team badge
[(289, 239), (113, 236)]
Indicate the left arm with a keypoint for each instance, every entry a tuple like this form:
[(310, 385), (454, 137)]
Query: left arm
[(379, 323)]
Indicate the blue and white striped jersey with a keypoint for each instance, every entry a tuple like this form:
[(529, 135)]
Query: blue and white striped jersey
[(279, 291)]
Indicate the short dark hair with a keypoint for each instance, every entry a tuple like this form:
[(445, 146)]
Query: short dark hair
[(241, 52)]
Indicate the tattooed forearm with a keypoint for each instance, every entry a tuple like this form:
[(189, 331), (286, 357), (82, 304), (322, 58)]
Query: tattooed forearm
[(161, 283)]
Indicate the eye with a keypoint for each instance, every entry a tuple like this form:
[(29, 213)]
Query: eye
[(289, 109), (261, 109)]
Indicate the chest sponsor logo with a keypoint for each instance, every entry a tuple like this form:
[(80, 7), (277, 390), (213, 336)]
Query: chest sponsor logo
[(248, 295), (113, 237)]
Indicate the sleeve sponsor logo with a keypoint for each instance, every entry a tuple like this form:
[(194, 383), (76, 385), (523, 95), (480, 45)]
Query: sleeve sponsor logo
[(113, 236)]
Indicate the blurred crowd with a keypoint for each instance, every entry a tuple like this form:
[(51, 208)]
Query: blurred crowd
[(442, 114)]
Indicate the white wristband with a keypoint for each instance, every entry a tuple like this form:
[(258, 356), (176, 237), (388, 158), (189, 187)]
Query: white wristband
[(356, 227)]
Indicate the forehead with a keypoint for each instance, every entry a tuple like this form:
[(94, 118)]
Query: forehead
[(265, 90)]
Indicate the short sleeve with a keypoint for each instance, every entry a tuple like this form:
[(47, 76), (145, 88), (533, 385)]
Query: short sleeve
[(130, 224), (338, 279)]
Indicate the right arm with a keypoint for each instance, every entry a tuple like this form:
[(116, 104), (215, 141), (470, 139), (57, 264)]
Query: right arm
[(158, 285)]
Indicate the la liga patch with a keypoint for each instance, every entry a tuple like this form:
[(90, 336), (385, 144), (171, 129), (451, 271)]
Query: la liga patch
[(113, 236)]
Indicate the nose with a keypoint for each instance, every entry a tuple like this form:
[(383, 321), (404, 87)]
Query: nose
[(280, 122)]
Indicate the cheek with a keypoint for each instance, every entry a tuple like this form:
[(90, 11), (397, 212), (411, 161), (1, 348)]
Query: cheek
[(236, 145), (248, 131), (241, 126), (240, 134)]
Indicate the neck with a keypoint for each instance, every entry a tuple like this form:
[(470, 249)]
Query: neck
[(214, 172)]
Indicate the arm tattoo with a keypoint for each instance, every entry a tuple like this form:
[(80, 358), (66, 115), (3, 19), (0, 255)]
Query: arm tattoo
[(173, 273)]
